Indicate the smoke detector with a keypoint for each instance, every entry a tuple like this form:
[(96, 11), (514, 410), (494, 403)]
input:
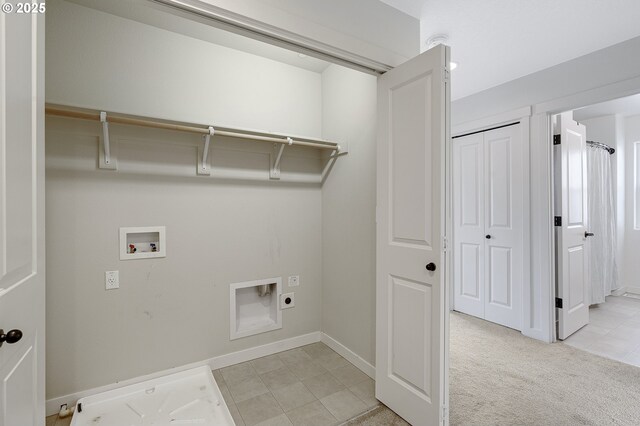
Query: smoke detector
[(437, 39)]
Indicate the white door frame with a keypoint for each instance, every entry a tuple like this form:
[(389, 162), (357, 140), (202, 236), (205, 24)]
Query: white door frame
[(521, 116), (542, 193)]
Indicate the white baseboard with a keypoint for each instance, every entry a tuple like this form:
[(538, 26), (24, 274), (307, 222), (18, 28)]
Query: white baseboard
[(53, 405), (626, 289), (349, 355)]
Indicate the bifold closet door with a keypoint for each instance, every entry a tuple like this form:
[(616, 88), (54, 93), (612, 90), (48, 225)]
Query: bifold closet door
[(488, 225), (468, 216)]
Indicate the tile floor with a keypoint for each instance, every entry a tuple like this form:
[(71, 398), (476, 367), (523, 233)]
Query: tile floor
[(613, 330), (311, 386)]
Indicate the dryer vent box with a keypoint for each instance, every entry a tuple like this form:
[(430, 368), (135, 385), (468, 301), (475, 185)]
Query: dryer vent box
[(254, 307)]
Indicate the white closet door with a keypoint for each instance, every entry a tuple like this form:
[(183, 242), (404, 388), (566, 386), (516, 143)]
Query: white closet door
[(504, 211), (411, 319), (468, 219)]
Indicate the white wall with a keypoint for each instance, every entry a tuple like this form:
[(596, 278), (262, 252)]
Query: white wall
[(632, 226), (98, 60), (599, 69), (348, 212), (609, 129), (172, 311)]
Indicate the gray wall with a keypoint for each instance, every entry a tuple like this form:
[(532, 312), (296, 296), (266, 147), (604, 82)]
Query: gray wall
[(172, 311), (603, 67), (348, 212)]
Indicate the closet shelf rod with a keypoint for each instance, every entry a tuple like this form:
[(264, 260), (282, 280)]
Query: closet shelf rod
[(95, 116)]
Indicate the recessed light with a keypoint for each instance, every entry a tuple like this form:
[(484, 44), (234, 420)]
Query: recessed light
[(453, 65)]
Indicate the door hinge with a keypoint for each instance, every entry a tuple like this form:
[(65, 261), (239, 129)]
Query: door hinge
[(557, 139), (557, 221), (444, 244), (445, 414), (558, 303), (445, 75)]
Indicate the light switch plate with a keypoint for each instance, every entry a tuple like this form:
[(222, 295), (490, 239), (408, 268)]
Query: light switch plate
[(112, 280), (294, 280)]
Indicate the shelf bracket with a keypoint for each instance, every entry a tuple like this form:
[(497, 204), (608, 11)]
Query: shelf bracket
[(204, 167), (276, 157), (107, 160), (331, 161)]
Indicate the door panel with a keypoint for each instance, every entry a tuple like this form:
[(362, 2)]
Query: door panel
[(22, 218), (410, 149), (411, 342), (410, 338), (500, 280), (504, 263), (468, 219), (499, 167), (570, 181)]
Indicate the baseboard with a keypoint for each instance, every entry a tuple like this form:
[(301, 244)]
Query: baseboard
[(626, 289), (53, 405), (349, 355)]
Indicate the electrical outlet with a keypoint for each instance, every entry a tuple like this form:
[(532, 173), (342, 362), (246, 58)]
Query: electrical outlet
[(287, 300), (294, 280), (112, 280)]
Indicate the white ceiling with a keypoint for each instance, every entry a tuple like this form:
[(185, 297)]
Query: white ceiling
[(167, 19), (625, 107), (495, 41)]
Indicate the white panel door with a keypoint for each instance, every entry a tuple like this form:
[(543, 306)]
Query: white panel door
[(488, 211), (21, 219), (571, 206), (504, 227), (468, 218), (411, 319)]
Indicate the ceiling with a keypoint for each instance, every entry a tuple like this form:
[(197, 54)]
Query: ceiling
[(624, 107), (167, 19), (495, 41)]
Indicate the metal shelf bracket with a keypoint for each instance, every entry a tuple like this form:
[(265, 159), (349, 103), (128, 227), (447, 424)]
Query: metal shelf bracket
[(204, 167), (276, 157), (107, 160)]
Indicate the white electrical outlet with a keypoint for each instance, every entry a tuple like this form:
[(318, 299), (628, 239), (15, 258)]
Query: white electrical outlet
[(287, 300), (294, 280), (112, 280)]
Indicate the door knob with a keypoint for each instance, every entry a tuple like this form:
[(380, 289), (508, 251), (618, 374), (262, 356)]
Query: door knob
[(588, 234), (431, 267), (488, 237), (12, 336)]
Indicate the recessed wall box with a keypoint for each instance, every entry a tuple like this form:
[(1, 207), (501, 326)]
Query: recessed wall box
[(254, 307), (142, 242)]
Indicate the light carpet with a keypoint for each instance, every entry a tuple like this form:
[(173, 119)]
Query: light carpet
[(500, 377)]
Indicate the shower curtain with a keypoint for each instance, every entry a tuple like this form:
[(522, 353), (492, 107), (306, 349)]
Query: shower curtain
[(603, 272)]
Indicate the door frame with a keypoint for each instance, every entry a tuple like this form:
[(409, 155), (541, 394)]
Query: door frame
[(523, 117), (542, 191)]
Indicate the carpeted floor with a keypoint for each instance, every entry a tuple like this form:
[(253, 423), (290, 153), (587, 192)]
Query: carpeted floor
[(499, 377)]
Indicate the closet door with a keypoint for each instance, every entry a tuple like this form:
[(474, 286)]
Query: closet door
[(468, 219), (504, 208)]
